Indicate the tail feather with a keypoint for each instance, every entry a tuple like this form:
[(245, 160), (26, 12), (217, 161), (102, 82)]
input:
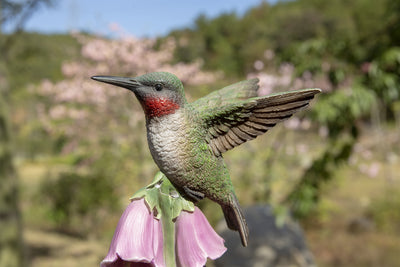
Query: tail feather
[(235, 219)]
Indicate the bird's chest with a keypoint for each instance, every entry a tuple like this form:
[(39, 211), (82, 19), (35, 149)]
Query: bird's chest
[(167, 137)]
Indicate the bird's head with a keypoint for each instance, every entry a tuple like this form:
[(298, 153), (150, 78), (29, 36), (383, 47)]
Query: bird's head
[(159, 93)]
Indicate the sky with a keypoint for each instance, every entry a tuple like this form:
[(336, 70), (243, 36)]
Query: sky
[(140, 18)]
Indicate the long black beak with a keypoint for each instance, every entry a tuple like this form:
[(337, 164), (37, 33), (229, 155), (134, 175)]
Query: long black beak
[(128, 83)]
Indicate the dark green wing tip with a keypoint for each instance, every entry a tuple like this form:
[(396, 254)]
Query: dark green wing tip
[(311, 90), (316, 90)]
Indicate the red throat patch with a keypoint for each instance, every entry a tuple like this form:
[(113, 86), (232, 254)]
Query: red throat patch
[(157, 107)]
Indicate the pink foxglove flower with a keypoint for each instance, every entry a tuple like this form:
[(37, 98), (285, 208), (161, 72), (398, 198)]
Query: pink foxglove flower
[(196, 239), (162, 229), (138, 238)]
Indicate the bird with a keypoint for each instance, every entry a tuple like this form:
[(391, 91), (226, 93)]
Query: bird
[(187, 140)]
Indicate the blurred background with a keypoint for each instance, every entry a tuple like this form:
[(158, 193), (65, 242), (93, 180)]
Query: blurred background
[(72, 151)]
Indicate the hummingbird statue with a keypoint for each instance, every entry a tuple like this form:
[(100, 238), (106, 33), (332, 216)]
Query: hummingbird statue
[(187, 140)]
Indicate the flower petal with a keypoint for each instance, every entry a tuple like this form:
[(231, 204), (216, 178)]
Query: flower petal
[(133, 238), (211, 243), (196, 239), (158, 244)]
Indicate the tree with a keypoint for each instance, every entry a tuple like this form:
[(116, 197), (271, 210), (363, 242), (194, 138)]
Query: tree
[(11, 243)]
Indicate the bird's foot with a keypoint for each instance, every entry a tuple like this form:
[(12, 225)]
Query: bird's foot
[(195, 195)]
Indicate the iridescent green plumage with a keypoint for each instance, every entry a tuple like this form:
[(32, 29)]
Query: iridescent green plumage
[(187, 140)]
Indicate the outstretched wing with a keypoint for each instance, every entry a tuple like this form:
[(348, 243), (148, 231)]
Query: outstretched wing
[(235, 122), (233, 93)]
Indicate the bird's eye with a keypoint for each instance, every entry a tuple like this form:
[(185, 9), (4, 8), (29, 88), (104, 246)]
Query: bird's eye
[(158, 86)]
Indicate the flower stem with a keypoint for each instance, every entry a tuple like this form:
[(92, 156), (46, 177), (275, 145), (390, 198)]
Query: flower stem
[(168, 233), (162, 197)]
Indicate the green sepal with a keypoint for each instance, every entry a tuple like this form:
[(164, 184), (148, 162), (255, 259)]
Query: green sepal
[(166, 203), (159, 191)]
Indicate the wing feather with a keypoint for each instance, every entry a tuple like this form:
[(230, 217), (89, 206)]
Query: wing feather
[(235, 92), (242, 135), (234, 115)]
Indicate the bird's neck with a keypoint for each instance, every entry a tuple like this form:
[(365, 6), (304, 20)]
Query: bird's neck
[(158, 106)]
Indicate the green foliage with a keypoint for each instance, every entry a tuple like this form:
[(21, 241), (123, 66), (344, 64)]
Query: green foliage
[(74, 197), (34, 57), (11, 250), (336, 31), (314, 49), (217, 43), (384, 78), (339, 109), (305, 196)]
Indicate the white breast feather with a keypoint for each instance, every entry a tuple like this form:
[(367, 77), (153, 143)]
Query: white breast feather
[(167, 141)]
